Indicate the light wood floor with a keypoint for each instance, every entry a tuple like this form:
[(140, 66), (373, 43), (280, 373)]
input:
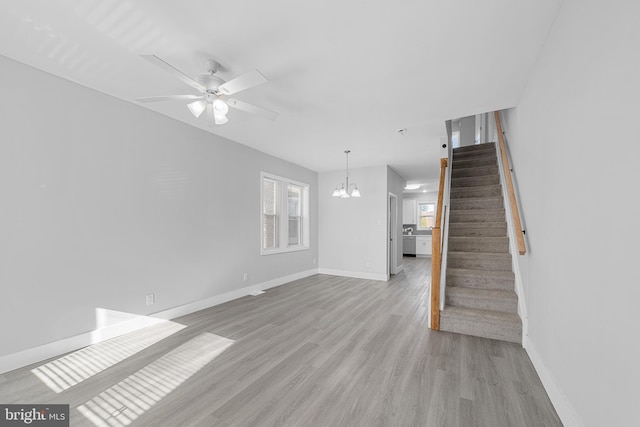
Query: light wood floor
[(322, 351)]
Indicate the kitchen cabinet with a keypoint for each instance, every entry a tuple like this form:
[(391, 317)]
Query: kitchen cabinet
[(423, 245), (409, 211)]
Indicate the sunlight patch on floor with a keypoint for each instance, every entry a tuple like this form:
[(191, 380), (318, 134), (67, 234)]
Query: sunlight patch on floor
[(123, 403), (72, 369)]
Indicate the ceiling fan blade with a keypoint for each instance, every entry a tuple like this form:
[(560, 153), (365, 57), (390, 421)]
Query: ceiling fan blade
[(169, 98), (261, 112), (173, 70), (210, 119), (245, 81)]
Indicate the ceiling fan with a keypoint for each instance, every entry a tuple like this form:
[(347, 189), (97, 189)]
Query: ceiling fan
[(213, 91)]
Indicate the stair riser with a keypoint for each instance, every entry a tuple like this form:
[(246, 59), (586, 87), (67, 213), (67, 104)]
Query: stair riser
[(478, 148), (485, 245), (479, 282), (505, 332), (480, 203), (477, 216), (477, 171), (479, 263), (475, 192), (475, 156), (473, 162), (503, 305), (476, 181), (463, 230)]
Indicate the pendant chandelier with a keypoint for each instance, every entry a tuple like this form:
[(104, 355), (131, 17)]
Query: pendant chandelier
[(342, 190)]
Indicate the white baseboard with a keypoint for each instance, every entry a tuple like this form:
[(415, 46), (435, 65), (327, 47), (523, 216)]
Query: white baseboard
[(183, 310), (356, 274), (26, 357), (565, 410)]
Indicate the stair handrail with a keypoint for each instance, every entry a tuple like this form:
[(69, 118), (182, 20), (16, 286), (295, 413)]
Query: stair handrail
[(436, 251), (517, 224)]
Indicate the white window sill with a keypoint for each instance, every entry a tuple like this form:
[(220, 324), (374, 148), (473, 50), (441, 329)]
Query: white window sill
[(284, 250)]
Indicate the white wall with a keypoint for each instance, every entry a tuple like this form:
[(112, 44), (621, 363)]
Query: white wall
[(430, 196), (353, 232), (467, 131), (575, 157), (104, 202)]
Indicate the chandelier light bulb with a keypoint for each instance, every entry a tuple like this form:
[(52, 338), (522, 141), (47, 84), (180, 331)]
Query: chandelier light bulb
[(343, 192)]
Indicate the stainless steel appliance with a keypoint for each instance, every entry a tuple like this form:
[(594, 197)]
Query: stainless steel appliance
[(409, 245)]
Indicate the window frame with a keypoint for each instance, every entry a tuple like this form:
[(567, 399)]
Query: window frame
[(283, 215), (419, 216)]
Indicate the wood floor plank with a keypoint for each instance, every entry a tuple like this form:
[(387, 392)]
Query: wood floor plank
[(320, 351)]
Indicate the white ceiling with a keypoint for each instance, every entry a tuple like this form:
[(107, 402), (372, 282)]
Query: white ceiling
[(343, 74)]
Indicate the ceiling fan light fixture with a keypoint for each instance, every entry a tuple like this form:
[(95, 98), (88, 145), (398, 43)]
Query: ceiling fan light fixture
[(220, 119), (220, 108), (197, 108)]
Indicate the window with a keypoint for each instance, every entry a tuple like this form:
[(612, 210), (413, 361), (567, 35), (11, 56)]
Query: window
[(270, 204), (426, 215), (285, 214), (455, 139)]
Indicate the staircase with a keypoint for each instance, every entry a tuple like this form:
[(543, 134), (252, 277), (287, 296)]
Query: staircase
[(480, 297)]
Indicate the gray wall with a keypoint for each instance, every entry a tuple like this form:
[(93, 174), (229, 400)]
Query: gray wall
[(576, 163), (353, 232), (104, 202), (395, 185), (467, 131)]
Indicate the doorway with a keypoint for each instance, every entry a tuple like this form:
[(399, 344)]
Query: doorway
[(392, 234)]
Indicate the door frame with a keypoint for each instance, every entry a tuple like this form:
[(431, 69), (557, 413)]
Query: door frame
[(392, 234)]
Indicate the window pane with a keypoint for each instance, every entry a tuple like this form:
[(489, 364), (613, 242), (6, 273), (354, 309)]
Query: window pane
[(294, 199), (295, 223), (427, 212), (270, 229), (270, 190), (427, 209), (294, 204)]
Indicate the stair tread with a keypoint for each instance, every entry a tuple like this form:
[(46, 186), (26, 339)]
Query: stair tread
[(476, 238), (497, 294), (480, 315), (478, 224), (492, 210), (480, 154), (492, 167), (477, 199), (456, 192), (475, 147), (472, 272), (489, 255)]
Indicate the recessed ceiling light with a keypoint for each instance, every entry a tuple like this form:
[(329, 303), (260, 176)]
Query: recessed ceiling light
[(412, 186)]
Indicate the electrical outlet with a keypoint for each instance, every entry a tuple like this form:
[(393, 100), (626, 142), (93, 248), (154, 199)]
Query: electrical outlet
[(368, 264), (151, 299), (314, 261), (245, 277)]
